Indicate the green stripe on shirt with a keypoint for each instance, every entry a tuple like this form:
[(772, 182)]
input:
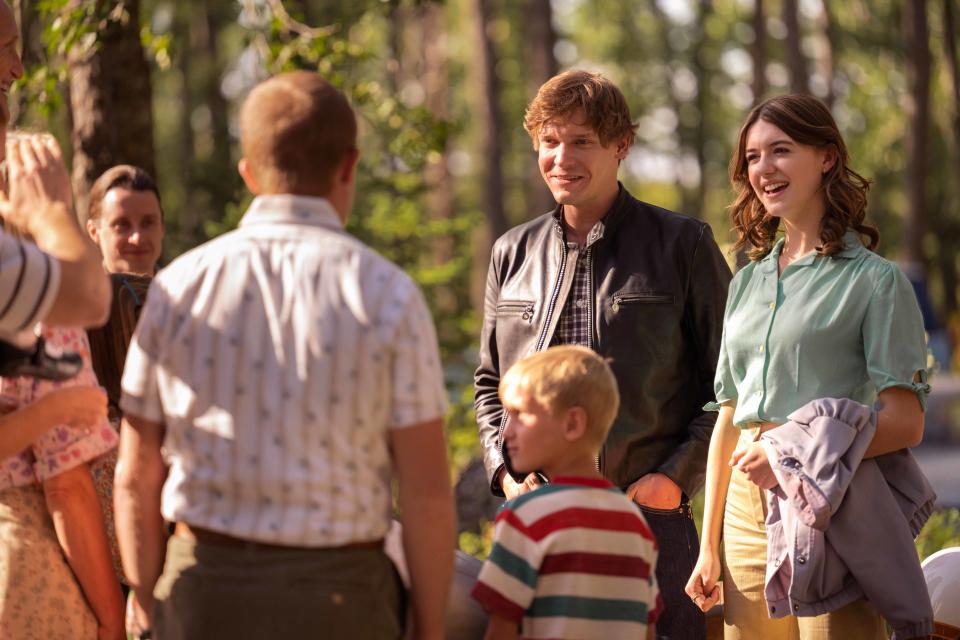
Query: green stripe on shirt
[(513, 565), (589, 608)]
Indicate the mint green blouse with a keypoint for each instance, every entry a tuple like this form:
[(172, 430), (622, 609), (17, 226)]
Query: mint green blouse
[(845, 326)]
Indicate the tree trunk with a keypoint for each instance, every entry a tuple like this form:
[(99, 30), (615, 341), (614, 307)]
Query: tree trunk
[(702, 69), (439, 194), (683, 133), (758, 52), (31, 46), (799, 82), (448, 302), (110, 98), (187, 219), (489, 120), (828, 60), (917, 109), (947, 254), (541, 66)]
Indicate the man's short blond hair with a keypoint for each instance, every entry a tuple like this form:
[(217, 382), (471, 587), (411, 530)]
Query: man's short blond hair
[(295, 129), (568, 376)]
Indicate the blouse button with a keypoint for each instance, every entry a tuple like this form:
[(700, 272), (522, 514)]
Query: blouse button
[(760, 348), (772, 305)]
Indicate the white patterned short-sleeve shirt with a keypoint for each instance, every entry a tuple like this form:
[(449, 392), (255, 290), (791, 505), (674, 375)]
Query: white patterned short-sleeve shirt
[(278, 357)]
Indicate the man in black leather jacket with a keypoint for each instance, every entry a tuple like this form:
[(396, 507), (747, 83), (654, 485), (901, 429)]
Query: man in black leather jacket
[(641, 285)]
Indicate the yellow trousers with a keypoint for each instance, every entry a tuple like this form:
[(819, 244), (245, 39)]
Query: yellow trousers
[(744, 559)]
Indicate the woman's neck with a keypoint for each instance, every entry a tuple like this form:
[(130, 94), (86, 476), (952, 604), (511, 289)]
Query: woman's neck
[(800, 239)]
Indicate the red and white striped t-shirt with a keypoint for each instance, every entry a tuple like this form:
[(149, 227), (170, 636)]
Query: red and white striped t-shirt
[(573, 559)]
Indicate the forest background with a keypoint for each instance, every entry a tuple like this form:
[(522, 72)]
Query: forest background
[(440, 88)]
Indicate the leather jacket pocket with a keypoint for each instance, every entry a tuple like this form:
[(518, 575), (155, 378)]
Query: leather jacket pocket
[(623, 299), (522, 308)]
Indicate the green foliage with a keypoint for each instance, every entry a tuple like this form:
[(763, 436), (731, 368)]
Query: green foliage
[(940, 532), (477, 544)]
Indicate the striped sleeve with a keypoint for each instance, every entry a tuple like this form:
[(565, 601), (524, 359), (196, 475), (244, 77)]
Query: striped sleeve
[(29, 282), (508, 579)]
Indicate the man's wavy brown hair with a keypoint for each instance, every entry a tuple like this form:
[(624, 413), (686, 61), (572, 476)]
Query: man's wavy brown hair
[(807, 121), (602, 103)]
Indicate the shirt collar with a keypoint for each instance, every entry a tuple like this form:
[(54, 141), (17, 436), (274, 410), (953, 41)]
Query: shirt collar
[(612, 215), (291, 209), (852, 245), (768, 263)]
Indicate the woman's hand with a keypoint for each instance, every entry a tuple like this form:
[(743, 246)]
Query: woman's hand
[(136, 619), (703, 587), (752, 461)]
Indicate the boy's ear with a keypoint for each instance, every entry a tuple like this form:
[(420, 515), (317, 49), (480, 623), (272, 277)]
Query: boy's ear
[(576, 424)]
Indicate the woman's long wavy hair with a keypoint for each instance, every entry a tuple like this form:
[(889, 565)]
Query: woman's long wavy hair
[(807, 121)]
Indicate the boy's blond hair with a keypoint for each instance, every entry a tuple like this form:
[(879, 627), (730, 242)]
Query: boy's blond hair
[(569, 376)]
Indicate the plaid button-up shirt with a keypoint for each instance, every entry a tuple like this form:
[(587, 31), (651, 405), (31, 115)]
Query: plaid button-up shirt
[(576, 321)]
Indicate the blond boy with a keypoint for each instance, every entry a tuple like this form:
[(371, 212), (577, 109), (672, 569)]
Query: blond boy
[(574, 558)]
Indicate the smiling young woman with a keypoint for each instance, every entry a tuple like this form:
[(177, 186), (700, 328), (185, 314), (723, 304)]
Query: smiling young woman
[(803, 127), (810, 317)]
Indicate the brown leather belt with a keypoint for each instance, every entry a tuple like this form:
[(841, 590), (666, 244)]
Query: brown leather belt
[(205, 536)]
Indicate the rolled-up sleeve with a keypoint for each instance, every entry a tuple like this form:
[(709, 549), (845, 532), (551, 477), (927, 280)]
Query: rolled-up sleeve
[(894, 342), (724, 387)]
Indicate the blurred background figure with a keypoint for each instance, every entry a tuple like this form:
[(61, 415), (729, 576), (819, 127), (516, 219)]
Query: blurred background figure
[(125, 220), (58, 573)]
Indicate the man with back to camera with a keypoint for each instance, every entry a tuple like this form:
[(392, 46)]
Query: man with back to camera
[(640, 285), (288, 372), (58, 277)]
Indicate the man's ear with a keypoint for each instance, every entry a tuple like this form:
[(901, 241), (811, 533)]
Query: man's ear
[(246, 172), (93, 231), (575, 426), (623, 148), (348, 166)]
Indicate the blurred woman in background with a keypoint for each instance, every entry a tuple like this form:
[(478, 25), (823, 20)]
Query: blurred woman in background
[(56, 575)]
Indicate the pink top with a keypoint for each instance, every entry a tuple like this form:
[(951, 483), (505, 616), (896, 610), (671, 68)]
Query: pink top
[(62, 447)]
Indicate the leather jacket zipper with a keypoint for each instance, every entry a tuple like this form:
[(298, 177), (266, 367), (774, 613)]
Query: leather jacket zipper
[(525, 309), (598, 460), (543, 331), (553, 300), (639, 298)]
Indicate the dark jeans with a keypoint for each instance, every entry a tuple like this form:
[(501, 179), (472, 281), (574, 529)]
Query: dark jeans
[(677, 539)]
